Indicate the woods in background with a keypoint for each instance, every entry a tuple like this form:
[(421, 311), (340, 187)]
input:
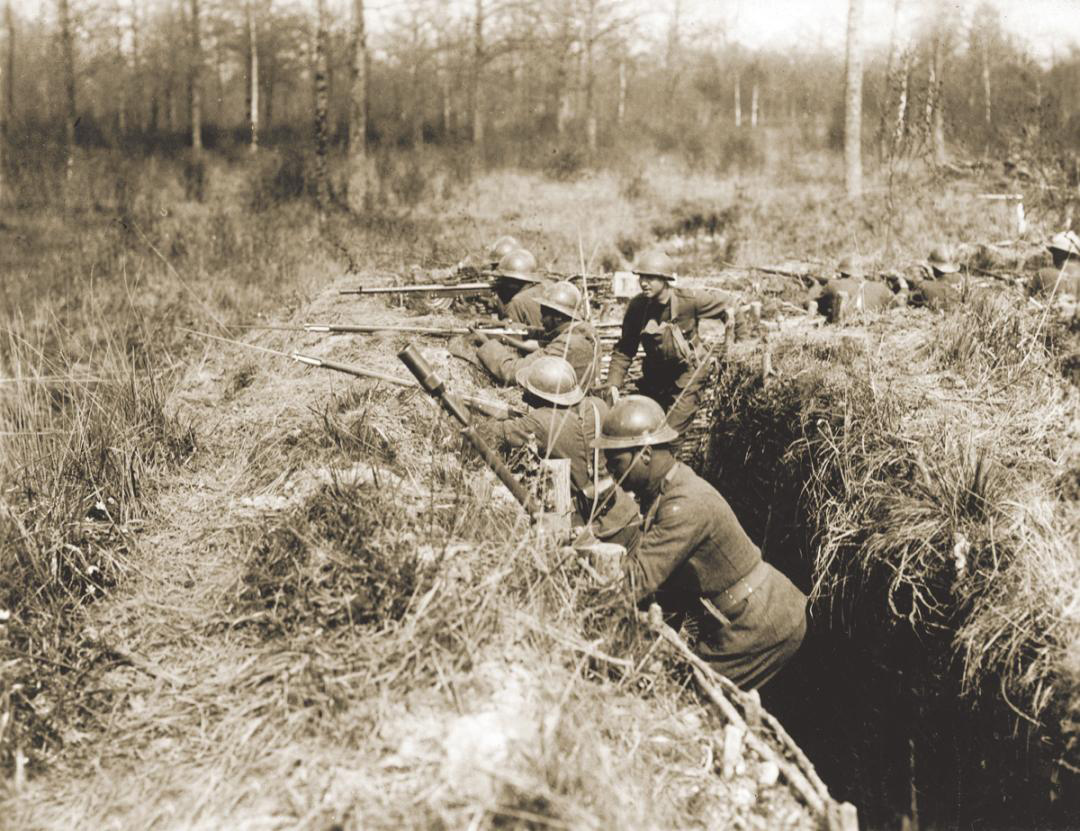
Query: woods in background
[(496, 76)]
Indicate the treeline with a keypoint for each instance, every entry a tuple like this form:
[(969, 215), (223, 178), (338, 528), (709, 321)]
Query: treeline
[(579, 72)]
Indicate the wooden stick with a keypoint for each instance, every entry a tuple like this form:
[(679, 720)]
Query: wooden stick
[(671, 636)]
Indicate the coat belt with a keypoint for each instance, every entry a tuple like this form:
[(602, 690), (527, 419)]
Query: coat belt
[(722, 603)]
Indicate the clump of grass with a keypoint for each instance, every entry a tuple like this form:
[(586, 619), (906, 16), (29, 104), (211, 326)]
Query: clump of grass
[(339, 559), (78, 462)]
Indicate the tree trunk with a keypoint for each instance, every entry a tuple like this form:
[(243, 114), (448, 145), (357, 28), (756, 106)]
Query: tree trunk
[(754, 103), (590, 79), (477, 68), (937, 99), (738, 101), (357, 139), (902, 102), (121, 78), (3, 133), (322, 175), (445, 96), (67, 47), (853, 103), (889, 84), (620, 107), (9, 77), (672, 58), (271, 84), (137, 85), (253, 76), (984, 55), (195, 80)]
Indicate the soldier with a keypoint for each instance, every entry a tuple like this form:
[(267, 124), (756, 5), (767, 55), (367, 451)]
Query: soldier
[(664, 320), (518, 288), (861, 295), (567, 334), (851, 266), (1064, 276), (499, 249), (693, 555), (942, 267), (565, 423)]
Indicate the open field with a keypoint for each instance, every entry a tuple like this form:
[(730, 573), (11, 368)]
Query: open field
[(242, 593)]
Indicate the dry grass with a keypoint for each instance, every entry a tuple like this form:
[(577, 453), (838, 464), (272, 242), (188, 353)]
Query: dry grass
[(918, 471), (295, 640)]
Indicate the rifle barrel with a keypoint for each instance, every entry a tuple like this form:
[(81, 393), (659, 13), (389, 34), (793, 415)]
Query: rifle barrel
[(365, 328), (422, 288)]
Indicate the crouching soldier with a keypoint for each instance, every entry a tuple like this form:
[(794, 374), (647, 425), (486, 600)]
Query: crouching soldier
[(564, 423), (566, 334), (663, 320), (693, 555)]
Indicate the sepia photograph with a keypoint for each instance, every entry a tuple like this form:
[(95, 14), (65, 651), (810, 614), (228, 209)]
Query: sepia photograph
[(540, 414)]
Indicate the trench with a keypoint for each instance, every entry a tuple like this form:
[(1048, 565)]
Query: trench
[(875, 704)]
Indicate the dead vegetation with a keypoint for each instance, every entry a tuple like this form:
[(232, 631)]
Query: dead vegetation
[(914, 473), (317, 613)]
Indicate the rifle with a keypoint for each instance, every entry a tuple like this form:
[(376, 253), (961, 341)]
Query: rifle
[(355, 329), (433, 385), (423, 288), (486, 406)]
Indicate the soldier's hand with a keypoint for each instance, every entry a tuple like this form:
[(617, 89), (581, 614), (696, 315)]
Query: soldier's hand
[(478, 338)]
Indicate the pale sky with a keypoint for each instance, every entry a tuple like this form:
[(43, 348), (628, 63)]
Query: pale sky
[(1048, 26)]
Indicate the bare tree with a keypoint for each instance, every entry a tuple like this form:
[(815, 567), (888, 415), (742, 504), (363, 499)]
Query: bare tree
[(620, 104), (357, 161), (935, 104), (853, 103), (322, 105), (137, 86), (903, 87), (9, 79), (3, 123), (195, 78), (889, 83), (67, 49), (476, 97), (253, 76)]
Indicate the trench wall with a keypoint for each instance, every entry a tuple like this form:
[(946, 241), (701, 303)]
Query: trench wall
[(877, 695)]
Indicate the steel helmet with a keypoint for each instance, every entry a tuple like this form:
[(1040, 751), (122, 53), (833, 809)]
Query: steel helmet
[(940, 260), (655, 263), (553, 379), (1067, 242), (850, 266), (501, 247), (562, 297), (519, 264), (636, 421)]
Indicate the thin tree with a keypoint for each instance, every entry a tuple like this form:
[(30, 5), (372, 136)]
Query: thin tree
[(935, 105), (357, 154), (853, 103), (889, 83), (137, 68), (195, 80), (253, 76), (67, 49), (476, 97), (9, 80), (3, 128), (322, 105)]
